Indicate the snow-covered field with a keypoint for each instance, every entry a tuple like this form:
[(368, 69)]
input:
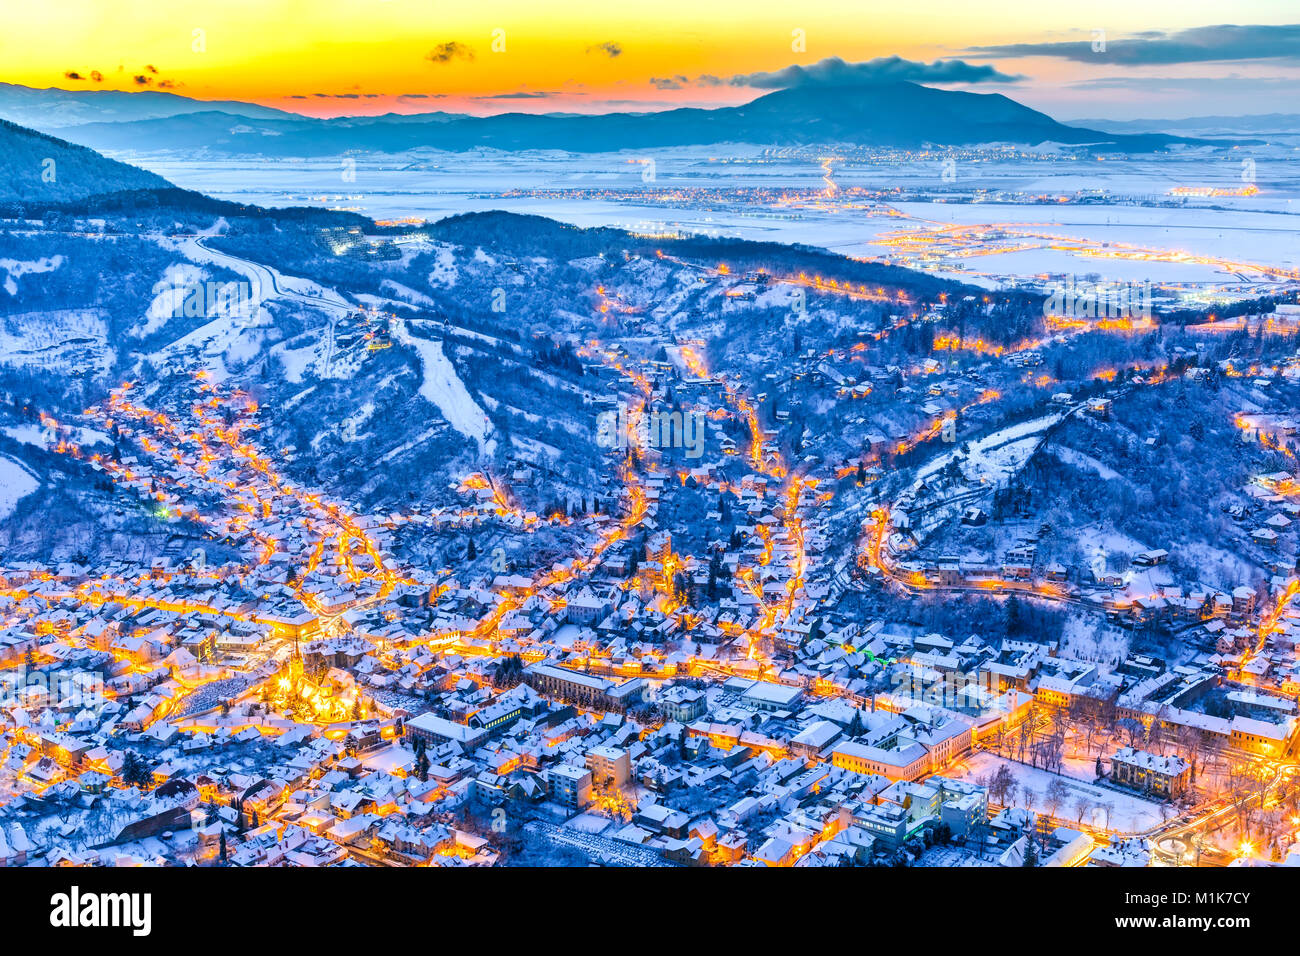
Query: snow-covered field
[(16, 483), (1127, 813), (432, 185)]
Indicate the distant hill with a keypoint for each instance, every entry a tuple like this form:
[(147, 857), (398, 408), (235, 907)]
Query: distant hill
[(37, 168), (1285, 123), (894, 114), (50, 109)]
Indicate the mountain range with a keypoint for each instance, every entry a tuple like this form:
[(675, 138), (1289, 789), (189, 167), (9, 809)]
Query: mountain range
[(1277, 123), (51, 109), (900, 114)]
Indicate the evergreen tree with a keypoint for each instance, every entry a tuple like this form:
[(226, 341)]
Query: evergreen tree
[(1031, 852), (421, 760), (135, 772), (1015, 617), (715, 569)]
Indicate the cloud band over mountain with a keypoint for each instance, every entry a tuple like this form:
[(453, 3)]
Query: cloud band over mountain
[(1157, 48), (835, 72)]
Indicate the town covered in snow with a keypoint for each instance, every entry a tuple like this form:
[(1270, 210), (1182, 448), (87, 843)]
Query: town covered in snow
[(537, 503), (293, 690)]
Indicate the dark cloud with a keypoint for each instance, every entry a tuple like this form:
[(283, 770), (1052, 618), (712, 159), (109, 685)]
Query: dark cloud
[(141, 80), (608, 48), (451, 50), (94, 76), (649, 106), (669, 82), (418, 98), (521, 95), (150, 68), (834, 71), (1156, 48)]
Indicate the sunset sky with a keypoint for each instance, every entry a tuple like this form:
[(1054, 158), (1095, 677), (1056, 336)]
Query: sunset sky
[(1165, 58)]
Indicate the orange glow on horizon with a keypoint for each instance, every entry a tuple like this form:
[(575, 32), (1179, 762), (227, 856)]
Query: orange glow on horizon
[(340, 57)]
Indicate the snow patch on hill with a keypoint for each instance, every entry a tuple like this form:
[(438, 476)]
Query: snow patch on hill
[(444, 271), (406, 293), (996, 457), (1078, 459), (169, 298), (217, 339), (443, 388), (16, 483), (16, 270), (73, 341)]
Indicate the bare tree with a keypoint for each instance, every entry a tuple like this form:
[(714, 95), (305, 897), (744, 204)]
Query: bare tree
[(1029, 729), (1001, 783), (1053, 748), (1026, 795), (1081, 806), (1188, 742), (1155, 736), (1055, 795)]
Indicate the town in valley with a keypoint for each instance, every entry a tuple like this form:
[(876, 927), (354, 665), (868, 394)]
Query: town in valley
[(449, 490)]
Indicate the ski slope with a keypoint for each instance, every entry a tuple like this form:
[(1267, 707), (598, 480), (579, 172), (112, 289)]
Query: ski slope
[(443, 388)]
